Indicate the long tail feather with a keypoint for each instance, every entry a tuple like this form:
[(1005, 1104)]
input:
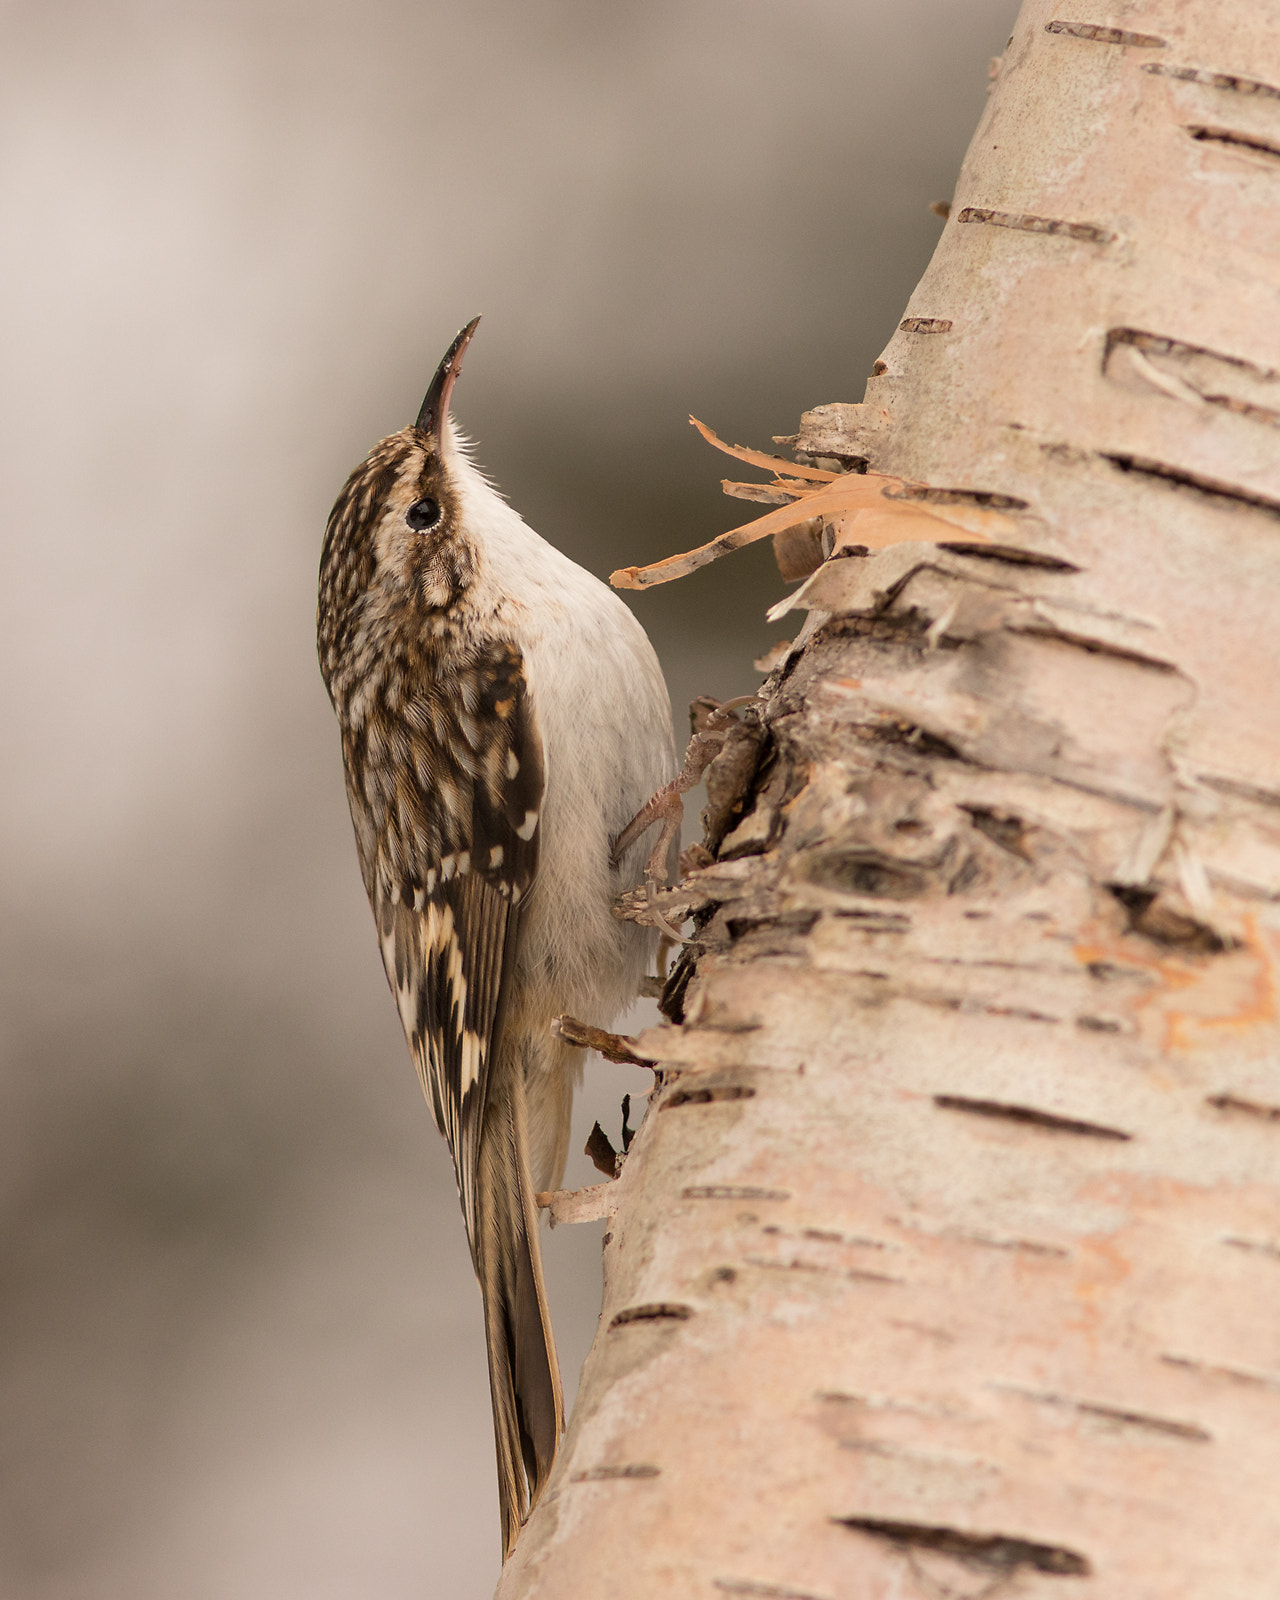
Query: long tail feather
[(524, 1374)]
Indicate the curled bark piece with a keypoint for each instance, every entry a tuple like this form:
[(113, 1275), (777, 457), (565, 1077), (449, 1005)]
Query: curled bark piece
[(612, 1046), (899, 512), (579, 1205)]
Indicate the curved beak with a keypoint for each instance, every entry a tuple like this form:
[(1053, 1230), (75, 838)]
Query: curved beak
[(435, 408)]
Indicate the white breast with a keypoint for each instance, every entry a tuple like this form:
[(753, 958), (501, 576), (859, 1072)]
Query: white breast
[(605, 718)]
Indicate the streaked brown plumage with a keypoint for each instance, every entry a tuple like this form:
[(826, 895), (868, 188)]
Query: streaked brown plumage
[(502, 718)]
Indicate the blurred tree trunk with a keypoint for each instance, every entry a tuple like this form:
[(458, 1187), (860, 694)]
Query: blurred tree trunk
[(947, 1260)]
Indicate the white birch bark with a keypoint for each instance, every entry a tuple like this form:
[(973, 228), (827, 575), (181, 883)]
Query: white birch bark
[(947, 1260)]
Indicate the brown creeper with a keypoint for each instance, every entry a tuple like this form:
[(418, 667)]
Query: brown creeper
[(503, 716)]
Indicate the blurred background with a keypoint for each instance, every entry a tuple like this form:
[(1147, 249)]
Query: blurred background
[(240, 1343)]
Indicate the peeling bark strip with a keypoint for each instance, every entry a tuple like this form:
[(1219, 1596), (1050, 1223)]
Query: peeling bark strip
[(948, 1259)]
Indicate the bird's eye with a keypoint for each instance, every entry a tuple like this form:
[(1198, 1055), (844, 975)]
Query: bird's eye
[(422, 514)]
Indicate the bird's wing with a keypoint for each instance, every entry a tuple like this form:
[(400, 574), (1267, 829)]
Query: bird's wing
[(455, 853)]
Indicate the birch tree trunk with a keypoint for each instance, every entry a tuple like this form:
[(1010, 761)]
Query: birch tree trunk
[(947, 1259)]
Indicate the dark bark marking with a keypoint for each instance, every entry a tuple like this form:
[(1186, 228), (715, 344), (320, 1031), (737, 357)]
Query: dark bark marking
[(1190, 1431), (1151, 915), (855, 1241), (1005, 830), (1214, 80), (1034, 1247), (1160, 345), (863, 872), (765, 1591), (794, 1264), (1024, 222), (707, 1094), (821, 457), (1029, 1116), (876, 922), (1178, 478), (732, 1191), (657, 1311), (1111, 972), (633, 1469), (1211, 375), (1248, 1108), (1260, 1247), (1242, 791), (1097, 33), (1241, 141), (1024, 1013), (987, 499), (993, 1552), (777, 1264), (905, 735), (1098, 647), (832, 1236), (794, 922), (1009, 554), (925, 325), (1244, 408), (1241, 1375)]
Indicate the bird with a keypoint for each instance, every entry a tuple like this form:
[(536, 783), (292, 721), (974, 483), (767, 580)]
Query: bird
[(503, 717)]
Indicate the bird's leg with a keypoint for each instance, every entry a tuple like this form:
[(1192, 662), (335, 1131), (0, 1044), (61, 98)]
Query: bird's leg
[(669, 933), (711, 726), (668, 803)]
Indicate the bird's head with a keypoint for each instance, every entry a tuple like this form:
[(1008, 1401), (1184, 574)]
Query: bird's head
[(395, 543)]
